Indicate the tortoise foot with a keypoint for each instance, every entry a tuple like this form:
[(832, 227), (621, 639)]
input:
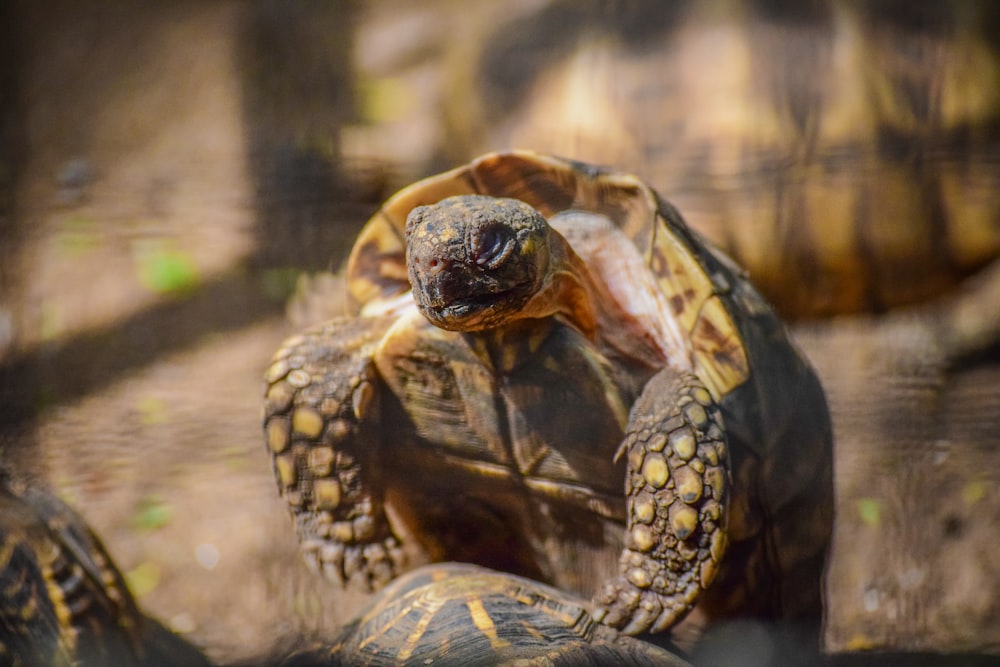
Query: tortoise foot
[(677, 488), (317, 425), (366, 566)]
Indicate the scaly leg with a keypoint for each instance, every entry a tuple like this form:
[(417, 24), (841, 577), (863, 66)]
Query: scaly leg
[(321, 431), (677, 490)]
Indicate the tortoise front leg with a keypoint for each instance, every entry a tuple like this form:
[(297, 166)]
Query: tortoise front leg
[(677, 490), (319, 425)]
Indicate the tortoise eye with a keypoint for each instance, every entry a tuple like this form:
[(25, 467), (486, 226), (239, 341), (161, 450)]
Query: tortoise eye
[(490, 246)]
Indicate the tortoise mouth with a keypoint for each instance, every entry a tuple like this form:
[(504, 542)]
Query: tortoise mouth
[(471, 312)]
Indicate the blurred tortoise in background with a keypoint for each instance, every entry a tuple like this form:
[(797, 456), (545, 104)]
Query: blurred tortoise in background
[(63, 600), (577, 389), (850, 145), (465, 615)]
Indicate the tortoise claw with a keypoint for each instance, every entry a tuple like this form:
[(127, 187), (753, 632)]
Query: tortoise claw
[(677, 487), (320, 398), (367, 567)]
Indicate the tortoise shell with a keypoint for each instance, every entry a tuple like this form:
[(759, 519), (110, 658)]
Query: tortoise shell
[(338, 426), (464, 615), (703, 287), (64, 600)]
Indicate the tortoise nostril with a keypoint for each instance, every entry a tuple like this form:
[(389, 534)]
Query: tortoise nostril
[(435, 265)]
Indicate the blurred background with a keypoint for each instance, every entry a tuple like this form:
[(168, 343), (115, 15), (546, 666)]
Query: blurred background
[(171, 174)]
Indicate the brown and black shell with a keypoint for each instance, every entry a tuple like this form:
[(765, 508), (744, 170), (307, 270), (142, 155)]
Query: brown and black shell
[(466, 615), (731, 332)]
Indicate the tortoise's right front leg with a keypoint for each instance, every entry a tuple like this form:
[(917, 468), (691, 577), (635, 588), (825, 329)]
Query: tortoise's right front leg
[(677, 491), (319, 425)]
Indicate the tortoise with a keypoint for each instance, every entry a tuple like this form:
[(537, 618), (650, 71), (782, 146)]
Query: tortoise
[(617, 412), (64, 600), (464, 615)]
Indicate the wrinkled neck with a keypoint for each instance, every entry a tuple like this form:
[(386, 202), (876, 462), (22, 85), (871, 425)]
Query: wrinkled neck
[(567, 294), (569, 290)]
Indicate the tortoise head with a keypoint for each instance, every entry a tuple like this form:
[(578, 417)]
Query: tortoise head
[(475, 262)]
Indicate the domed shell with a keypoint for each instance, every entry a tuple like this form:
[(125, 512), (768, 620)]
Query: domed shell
[(705, 291), (458, 614)]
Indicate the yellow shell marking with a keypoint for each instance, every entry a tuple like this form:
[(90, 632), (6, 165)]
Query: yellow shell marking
[(682, 278), (719, 358), (412, 641), (485, 624)]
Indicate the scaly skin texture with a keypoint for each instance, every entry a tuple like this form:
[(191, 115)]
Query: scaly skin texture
[(675, 533), (319, 398)]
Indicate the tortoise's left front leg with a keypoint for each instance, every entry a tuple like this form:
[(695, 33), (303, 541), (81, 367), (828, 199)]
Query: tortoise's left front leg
[(677, 489), (322, 431)]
